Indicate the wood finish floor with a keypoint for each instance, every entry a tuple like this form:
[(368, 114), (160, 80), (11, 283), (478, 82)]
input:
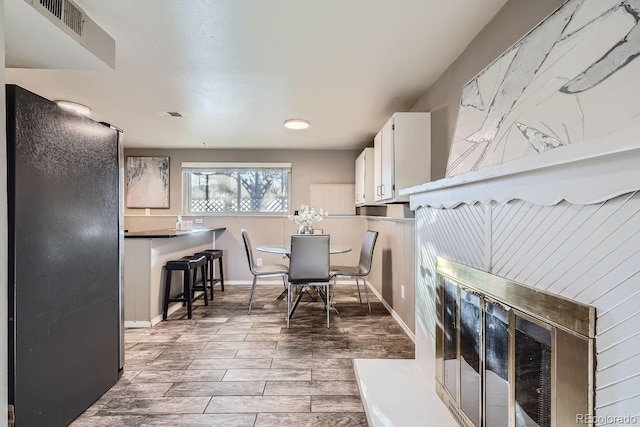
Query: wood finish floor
[(227, 368)]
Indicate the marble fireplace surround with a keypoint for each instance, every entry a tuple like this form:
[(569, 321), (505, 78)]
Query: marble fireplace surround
[(566, 221)]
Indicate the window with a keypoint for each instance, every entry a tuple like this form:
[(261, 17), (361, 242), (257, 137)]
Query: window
[(236, 187)]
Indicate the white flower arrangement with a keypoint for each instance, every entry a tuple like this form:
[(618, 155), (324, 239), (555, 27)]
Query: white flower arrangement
[(307, 216)]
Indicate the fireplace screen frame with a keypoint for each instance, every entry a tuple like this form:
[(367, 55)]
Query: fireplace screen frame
[(571, 327)]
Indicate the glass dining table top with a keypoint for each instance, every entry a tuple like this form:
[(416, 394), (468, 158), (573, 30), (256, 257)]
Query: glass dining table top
[(285, 250)]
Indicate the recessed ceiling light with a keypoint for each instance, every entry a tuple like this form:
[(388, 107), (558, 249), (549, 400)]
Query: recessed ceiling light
[(296, 124), (75, 107)]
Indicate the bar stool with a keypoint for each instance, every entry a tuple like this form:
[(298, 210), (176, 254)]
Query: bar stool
[(187, 265), (213, 254)]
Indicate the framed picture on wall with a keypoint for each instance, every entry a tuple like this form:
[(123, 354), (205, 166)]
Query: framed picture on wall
[(147, 182)]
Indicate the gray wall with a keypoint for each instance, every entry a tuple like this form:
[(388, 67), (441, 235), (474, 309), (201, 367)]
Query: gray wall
[(514, 20), (308, 167)]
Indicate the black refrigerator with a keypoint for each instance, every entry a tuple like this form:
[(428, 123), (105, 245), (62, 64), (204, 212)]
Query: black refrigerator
[(64, 284)]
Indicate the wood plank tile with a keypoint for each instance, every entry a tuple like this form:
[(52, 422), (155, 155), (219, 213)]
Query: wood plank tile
[(336, 404), (230, 364), (247, 367), (200, 420), (164, 405), (217, 388), (311, 420), (240, 404), (311, 388), (267, 375), (180, 376)]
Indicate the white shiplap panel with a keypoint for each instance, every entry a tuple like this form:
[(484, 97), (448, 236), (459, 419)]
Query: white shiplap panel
[(597, 254), (587, 252), (546, 254), (511, 243), (611, 374), (520, 266), (457, 234), (618, 269), (590, 253)]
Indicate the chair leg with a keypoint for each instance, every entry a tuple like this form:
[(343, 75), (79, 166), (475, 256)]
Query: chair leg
[(358, 286), (210, 264), (221, 276), (253, 289), (203, 270), (187, 291), (288, 303), (167, 288), (366, 293), (328, 303)]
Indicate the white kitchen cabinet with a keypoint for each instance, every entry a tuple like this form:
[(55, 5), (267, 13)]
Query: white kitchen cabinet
[(402, 151), (364, 178)]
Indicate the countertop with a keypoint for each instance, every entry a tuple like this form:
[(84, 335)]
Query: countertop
[(168, 233)]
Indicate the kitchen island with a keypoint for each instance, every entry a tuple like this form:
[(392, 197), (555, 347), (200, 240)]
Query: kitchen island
[(145, 254)]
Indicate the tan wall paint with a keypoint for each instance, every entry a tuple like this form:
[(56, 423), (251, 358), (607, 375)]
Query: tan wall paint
[(308, 167), (514, 20)]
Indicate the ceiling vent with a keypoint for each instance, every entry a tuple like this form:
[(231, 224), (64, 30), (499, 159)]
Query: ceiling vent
[(67, 12), (55, 34), (164, 113)]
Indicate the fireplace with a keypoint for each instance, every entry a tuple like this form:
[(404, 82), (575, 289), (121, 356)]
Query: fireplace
[(510, 355)]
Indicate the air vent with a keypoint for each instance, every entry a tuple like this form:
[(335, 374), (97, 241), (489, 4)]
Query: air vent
[(73, 17), (67, 12), (164, 113), (53, 6)]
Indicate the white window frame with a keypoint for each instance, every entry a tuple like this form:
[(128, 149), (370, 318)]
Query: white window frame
[(190, 167)]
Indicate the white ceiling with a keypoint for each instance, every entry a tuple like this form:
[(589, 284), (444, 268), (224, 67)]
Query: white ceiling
[(236, 69)]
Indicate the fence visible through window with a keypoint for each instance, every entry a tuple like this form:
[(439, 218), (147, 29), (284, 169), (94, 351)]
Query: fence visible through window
[(220, 190)]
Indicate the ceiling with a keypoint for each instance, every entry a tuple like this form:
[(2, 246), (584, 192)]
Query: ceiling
[(236, 69)]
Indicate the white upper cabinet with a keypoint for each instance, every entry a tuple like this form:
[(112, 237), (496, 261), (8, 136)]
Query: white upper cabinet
[(364, 178), (402, 152)]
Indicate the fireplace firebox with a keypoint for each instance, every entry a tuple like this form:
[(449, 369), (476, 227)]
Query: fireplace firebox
[(510, 355)]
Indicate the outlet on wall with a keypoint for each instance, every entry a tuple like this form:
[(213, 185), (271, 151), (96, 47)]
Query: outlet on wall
[(259, 262), (198, 220), (402, 291)]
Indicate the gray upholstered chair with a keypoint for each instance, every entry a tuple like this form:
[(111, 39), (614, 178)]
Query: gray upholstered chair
[(261, 271), (309, 264), (360, 271)]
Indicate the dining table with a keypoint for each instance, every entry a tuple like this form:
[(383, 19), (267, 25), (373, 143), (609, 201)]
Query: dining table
[(286, 251)]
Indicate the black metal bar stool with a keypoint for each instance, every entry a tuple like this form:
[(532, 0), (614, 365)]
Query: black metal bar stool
[(213, 254), (187, 265)]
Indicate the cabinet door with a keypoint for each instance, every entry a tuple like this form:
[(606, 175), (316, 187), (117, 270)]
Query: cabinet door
[(387, 165), (377, 166), (360, 179)]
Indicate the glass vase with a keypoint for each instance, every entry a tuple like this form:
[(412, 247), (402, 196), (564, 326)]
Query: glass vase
[(305, 229)]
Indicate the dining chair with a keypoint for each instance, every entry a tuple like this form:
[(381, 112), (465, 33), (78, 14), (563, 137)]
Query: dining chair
[(263, 270), (308, 264), (360, 271)]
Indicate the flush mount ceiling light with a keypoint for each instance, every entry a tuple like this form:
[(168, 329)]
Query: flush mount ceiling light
[(296, 124), (75, 107)]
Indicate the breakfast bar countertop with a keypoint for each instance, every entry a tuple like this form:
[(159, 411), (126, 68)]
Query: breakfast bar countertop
[(168, 233)]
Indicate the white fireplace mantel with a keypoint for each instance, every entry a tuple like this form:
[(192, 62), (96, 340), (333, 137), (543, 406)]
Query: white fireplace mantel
[(585, 173)]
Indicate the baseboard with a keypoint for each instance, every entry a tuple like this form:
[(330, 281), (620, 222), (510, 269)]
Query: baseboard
[(145, 324), (133, 324), (395, 315)]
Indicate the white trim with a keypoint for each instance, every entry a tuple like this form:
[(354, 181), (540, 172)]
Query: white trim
[(586, 178), (133, 324), (395, 315), (235, 165), (146, 324)]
